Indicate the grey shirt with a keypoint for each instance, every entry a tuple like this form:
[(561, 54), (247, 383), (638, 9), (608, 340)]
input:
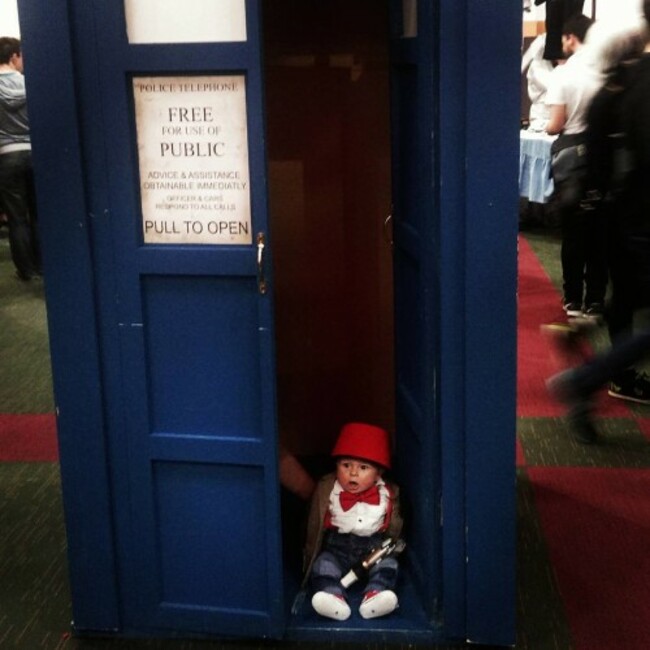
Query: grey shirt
[(14, 124)]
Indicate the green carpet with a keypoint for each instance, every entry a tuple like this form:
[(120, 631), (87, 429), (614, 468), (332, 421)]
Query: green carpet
[(25, 378)]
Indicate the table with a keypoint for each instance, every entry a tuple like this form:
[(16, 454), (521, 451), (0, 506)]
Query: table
[(535, 182)]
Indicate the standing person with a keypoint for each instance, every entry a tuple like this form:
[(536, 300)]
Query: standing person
[(576, 387), (17, 195), (538, 72), (570, 91)]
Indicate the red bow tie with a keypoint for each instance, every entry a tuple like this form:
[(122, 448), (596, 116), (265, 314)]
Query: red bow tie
[(371, 496)]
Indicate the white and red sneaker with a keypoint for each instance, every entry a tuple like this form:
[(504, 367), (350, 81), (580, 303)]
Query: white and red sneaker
[(331, 605), (378, 603)]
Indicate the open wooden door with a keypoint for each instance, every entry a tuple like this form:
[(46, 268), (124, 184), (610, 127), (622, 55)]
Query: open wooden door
[(416, 300)]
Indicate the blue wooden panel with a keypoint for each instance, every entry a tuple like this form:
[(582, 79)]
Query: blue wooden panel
[(416, 309), (451, 378), (195, 260), (408, 325), (72, 316), (492, 199), (478, 166), (207, 449), (408, 201), (201, 509), (202, 347), (422, 542)]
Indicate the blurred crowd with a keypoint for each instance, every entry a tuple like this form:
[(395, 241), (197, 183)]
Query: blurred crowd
[(594, 95)]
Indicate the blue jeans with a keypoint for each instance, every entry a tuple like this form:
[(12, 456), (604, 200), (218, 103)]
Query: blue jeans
[(589, 377), (340, 553), (18, 201)]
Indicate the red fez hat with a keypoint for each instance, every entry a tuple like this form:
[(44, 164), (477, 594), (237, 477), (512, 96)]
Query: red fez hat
[(364, 441)]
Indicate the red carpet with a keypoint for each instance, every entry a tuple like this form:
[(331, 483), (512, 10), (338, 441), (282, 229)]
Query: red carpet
[(28, 438), (597, 526), (540, 302)]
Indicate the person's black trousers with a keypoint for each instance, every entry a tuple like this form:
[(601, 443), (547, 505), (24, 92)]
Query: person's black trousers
[(584, 255), (18, 200)]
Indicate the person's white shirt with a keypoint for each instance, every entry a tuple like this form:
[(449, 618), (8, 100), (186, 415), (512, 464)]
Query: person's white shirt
[(573, 85), (538, 74)]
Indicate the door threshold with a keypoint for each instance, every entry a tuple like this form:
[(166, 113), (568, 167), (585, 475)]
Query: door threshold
[(407, 624)]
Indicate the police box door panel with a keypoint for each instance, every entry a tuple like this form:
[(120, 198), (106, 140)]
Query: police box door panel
[(412, 123), (172, 116)]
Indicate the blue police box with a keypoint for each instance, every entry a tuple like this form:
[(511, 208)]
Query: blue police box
[(262, 219)]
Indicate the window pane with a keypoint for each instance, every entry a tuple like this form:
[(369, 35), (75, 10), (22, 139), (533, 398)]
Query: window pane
[(410, 18), (190, 21)]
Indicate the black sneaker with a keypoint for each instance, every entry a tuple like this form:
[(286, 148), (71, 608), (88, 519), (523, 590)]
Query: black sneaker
[(632, 386), (573, 309)]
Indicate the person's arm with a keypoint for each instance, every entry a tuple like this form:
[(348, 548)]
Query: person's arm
[(556, 101), (294, 477), (557, 119), (13, 99)]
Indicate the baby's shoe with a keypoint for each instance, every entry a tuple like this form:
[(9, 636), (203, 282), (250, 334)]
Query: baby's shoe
[(331, 605), (378, 603)]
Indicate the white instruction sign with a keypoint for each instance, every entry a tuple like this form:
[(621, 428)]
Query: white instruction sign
[(193, 156)]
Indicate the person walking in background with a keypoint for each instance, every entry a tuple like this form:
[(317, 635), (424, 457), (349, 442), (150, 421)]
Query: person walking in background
[(615, 51), (570, 91), (576, 387), (17, 195)]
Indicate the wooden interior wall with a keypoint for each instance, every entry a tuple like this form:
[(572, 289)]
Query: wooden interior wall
[(328, 121)]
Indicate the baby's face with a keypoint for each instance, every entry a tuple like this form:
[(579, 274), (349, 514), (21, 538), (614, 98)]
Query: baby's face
[(356, 475)]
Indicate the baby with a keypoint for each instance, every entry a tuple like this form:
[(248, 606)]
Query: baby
[(352, 512)]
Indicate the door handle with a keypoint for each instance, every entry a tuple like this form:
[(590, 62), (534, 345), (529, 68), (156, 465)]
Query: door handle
[(261, 280), (388, 230)]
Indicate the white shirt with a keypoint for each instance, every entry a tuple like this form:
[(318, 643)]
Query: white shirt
[(573, 85), (361, 519)]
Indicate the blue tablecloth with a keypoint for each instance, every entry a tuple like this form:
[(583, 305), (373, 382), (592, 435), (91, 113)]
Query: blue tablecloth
[(535, 182)]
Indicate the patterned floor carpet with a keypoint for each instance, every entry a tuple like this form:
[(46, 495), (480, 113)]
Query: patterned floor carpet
[(591, 502), (583, 519)]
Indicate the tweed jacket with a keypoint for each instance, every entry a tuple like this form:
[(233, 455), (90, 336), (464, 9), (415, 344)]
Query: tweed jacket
[(318, 511)]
